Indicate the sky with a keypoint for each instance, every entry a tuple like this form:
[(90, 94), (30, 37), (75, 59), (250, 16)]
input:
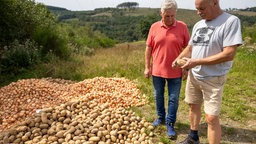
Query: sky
[(80, 5)]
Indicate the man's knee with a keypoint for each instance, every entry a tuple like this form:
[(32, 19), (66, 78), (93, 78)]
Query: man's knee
[(212, 120)]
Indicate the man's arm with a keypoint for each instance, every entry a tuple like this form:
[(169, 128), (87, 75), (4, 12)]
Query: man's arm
[(227, 54), (148, 53)]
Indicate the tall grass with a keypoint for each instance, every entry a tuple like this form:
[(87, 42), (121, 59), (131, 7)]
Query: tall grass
[(127, 60), (239, 92)]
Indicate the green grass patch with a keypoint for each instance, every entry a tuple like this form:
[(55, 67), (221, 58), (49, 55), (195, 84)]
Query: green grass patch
[(239, 91)]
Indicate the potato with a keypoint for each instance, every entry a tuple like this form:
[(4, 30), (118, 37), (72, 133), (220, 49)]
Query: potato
[(181, 62), (94, 139), (93, 110)]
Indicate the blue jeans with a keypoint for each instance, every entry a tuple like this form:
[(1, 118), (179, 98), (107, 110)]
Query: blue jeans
[(174, 85)]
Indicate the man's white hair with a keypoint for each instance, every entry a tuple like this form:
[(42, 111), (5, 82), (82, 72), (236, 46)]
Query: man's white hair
[(169, 4)]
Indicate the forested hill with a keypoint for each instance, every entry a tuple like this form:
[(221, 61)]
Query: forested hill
[(126, 24), (53, 8), (253, 9)]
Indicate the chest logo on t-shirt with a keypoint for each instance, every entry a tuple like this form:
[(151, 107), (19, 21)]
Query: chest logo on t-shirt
[(202, 36)]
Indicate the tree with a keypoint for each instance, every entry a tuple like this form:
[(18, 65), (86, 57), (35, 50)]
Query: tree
[(20, 18), (23, 20), (146, 23), (128, 5), (28, 32)]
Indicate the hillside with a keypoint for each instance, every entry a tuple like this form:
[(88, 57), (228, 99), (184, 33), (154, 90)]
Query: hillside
[(127, 25)]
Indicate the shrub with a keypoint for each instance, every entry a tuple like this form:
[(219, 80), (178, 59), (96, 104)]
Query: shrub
[(51, 41), (105, 42), (20, 55)]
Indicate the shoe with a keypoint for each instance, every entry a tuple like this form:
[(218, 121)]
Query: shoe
[(189, 140), (158, 122), (171, 132)]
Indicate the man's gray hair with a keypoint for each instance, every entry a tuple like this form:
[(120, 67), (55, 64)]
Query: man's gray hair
[(169, 4)]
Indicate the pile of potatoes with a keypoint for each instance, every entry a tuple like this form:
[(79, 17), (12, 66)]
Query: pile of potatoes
[(20, 100), (80, 122)]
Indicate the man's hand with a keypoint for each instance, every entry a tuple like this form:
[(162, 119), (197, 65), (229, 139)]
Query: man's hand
[(147, 73), (174, 64), (179, 62), (190, 63)]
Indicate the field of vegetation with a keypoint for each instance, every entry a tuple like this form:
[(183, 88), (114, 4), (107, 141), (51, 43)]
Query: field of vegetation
[(83, 45), (126, 60)]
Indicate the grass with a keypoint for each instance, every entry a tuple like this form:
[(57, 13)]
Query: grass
[(240, 87), (238, 114)]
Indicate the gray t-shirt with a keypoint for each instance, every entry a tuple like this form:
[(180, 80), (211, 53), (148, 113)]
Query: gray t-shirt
[(209, 38)]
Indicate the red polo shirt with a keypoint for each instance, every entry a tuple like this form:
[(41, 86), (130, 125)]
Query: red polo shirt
[(167, 44)]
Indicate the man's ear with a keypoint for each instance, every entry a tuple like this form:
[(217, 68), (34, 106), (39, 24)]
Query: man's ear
[(160, 13)]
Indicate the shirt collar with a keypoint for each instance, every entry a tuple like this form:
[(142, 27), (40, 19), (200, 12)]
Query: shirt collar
[(173, 25)]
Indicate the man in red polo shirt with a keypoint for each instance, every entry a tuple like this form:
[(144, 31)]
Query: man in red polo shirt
[(165, 42)]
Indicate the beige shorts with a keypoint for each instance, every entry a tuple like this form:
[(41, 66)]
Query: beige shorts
[(208, 91)]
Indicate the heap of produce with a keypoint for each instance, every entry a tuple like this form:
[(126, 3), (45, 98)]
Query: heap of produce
[(44, 110)]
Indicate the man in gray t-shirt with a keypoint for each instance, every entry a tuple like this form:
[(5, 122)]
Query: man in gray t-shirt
[(209, 57), (210, 38)]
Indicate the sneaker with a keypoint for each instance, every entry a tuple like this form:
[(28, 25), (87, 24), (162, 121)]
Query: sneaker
[(158, 122), (171, 132), (189, 140)]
